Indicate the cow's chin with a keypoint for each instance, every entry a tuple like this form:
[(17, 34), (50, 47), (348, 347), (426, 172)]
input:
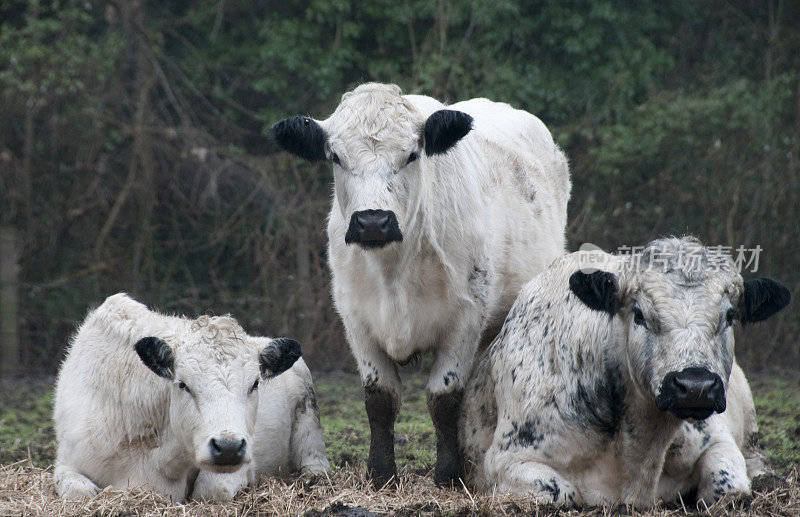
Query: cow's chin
[(221, 469)]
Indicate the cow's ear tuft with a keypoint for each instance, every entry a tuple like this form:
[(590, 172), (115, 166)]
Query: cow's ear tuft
[(444, 129), (278, 356), (156, 354), (301, 136), (598, 290), (762, 298)]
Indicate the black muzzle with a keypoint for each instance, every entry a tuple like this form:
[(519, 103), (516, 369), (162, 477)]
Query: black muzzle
[(692, 393), (373, 228)]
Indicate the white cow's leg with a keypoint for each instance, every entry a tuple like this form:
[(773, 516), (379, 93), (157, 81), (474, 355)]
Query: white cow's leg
[(723, 471), (71, 484), (308, 443), (211, 486), (382, 401), (539, 481), (445, 392)]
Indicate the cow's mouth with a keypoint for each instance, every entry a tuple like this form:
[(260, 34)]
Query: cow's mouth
[(221, 469)]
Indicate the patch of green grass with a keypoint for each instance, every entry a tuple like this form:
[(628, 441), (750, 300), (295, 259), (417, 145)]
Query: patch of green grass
[(777, 402), (344, 419), (26, 424)]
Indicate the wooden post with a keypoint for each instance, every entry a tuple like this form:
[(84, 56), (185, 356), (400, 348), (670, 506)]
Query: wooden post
[(9, 304)]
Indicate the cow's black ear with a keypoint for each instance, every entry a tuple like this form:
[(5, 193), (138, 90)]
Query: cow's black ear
[(156, 354), (444, 129), (301, 136), (598, 290), (762, 298), (278, 356)]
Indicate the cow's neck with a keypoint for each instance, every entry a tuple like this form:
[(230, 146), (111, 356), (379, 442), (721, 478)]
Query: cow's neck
[(643, 446)]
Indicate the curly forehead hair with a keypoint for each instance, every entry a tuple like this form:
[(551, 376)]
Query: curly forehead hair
[(375, 111), (214, 329), (686, 261)]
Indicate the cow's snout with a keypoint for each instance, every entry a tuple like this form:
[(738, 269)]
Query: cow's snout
[(692, 393), (373, 228), (227, 451)]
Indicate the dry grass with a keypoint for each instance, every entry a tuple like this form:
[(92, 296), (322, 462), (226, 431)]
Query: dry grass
[(28, 490)]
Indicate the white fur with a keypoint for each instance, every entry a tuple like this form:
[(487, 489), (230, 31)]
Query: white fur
[(477, 223), (119, 424), (561, 406)]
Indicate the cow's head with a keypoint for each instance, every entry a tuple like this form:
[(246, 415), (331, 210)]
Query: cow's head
[(675, 306), (214, 372), (378, 143)]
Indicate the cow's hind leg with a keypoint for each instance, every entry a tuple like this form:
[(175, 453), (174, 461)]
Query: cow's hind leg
[(445, 392), (71, 484)]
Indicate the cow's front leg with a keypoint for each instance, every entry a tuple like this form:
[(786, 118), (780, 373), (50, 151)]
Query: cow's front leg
[(382, 401), (445, 391), (723, 470)]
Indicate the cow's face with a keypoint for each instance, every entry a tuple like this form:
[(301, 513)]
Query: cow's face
[(378, 144), (675, 320), (214, 373)]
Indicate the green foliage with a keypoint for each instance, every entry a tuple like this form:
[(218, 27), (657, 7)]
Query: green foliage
[(344, 420), (778, 412), (134, 154), (26, 425)]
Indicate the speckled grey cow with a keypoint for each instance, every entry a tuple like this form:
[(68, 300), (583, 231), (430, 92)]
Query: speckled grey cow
[(612, 385)]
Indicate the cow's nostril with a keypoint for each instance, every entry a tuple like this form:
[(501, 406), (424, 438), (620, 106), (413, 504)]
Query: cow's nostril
[(215, 447)]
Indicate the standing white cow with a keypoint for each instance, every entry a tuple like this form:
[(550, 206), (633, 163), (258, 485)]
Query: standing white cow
[(439, 215), (178, 406), (602, 387)]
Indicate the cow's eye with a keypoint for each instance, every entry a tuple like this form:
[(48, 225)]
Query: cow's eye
[(730, 316), (638, 317), (335, 159), (254, 387), (182, 385), (412, 157)]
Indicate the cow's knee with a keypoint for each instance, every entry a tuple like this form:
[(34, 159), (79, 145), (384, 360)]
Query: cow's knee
[(382, 404), (445, 409), (73, 485)]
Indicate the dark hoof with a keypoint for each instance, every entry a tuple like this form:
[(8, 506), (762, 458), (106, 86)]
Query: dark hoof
[(447, 477), (381, 476)]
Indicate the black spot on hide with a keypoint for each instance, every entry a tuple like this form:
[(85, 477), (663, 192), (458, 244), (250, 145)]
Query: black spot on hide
[(526, 435), (601, 405), (444, 129), (301, 136)]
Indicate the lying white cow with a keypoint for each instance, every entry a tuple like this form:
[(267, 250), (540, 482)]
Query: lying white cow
[(612, 386), (182, 407), (440, 214)]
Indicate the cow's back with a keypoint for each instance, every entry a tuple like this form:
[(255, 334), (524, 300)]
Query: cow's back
[(520, 133)]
